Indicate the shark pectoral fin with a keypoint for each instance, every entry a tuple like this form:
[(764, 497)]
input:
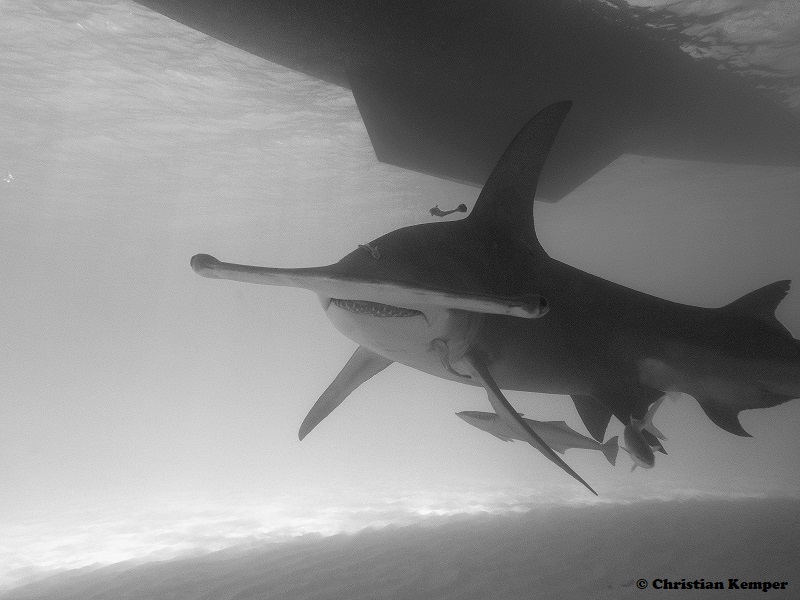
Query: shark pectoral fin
[(511, 417), (724, 416), (361, 366), (594, 414)]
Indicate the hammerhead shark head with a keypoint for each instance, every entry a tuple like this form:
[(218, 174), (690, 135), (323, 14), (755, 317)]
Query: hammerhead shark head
[(479, 301)]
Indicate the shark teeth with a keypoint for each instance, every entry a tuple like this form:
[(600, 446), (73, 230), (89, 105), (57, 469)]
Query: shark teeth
[(376, 309)]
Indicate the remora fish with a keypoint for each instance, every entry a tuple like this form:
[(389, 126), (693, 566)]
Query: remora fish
[(556, 434), (438, 212), (462, 300), (642, 437), (637, 448)]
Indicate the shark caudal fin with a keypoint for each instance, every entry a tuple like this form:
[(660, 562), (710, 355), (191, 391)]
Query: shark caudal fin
[(506, 200), (611, 449), (761, 304)]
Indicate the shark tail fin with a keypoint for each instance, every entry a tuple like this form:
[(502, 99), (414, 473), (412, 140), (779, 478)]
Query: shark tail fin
[(610, 449), (761, 304)]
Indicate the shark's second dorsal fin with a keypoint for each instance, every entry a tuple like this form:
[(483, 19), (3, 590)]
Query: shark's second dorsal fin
[(506, 200), (761, 303)]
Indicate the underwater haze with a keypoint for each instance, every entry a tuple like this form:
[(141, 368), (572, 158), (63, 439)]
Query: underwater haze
[(150, 416)]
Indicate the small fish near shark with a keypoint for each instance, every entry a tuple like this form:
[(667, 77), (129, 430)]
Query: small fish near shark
[(479, 301), (438, 212), (641, 438), (556, 434)]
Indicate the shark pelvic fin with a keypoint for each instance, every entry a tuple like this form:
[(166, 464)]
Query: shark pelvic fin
[(762, 303), (511, 417), (624, 398), (724, 416), (506, 200), (594, 414), (361, 366)]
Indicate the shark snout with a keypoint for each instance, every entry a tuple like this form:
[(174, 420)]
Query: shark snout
[(204, 264)]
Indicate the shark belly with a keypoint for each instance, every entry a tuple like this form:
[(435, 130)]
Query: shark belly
[(408, 335), (522, 354)]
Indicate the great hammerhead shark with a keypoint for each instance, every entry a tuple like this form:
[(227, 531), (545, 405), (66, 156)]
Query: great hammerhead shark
[(479, 301)]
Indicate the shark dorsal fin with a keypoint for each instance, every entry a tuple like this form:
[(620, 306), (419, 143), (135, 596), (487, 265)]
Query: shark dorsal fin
[(506, 200), (761, 303)]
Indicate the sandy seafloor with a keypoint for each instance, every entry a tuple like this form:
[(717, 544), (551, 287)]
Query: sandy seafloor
[(590, 551)]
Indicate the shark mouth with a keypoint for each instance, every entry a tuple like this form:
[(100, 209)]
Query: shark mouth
[(376, 309)]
